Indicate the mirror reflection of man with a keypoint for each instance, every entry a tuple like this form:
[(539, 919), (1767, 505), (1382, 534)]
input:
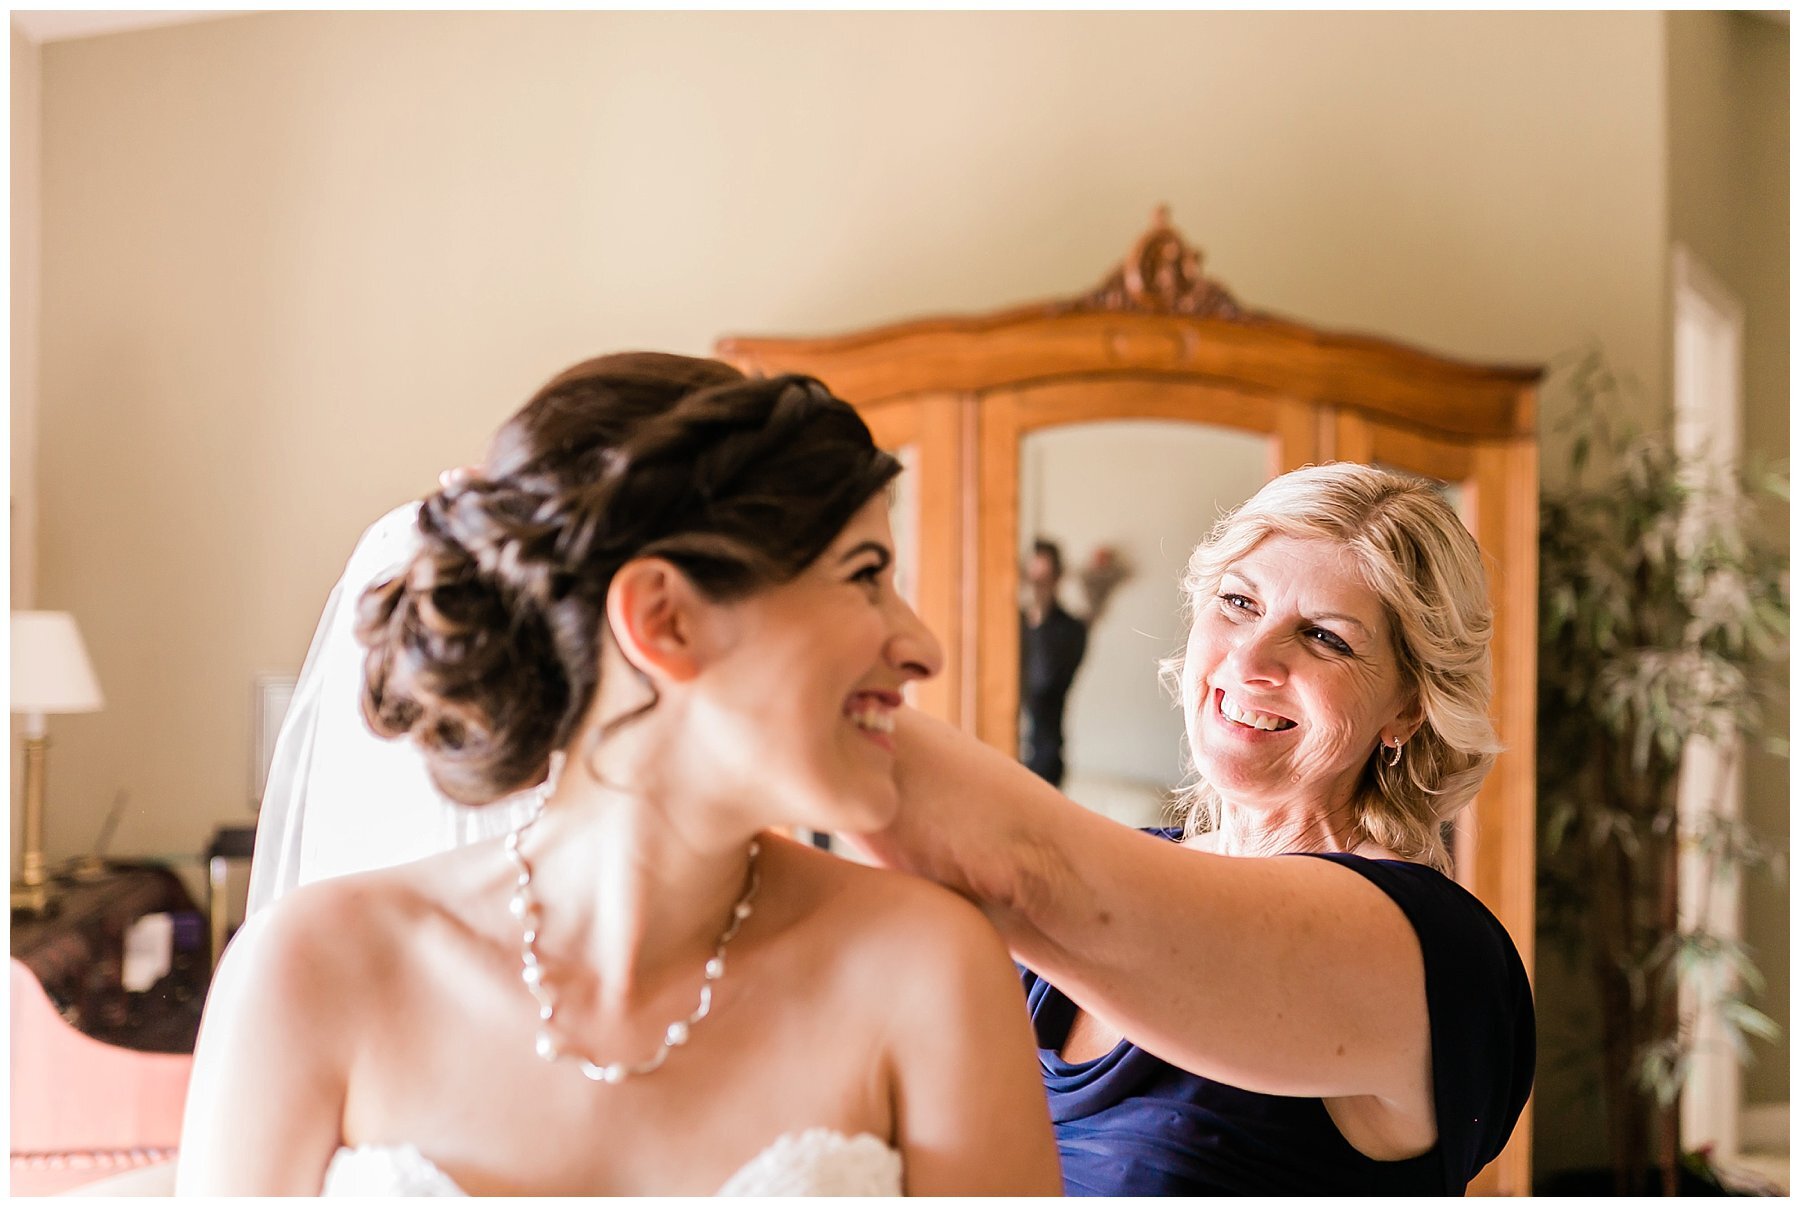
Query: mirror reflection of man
[(1052, 643)]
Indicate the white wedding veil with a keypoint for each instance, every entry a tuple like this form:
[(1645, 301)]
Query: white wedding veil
[(340, 799)]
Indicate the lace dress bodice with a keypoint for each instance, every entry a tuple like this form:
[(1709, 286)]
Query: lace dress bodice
[(818, 1161)]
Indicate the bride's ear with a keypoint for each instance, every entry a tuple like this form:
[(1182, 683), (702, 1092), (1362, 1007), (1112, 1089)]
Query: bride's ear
[(655, 613)]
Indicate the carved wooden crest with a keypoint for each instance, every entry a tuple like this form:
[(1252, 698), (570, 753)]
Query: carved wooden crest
[(1161, 275)]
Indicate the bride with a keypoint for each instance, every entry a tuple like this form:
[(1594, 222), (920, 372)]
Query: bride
[(657, 625)]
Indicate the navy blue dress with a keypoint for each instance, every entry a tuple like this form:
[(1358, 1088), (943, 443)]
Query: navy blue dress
[(1130, 1123)]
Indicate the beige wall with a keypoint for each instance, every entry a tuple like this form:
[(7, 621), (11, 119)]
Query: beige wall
[(1728, 202), (27, 144)]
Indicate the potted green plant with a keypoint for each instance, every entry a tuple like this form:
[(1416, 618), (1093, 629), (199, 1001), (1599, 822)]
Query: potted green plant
[(1657, 603)]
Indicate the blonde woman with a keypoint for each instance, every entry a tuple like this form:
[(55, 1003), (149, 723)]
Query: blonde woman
[(1287, 995)]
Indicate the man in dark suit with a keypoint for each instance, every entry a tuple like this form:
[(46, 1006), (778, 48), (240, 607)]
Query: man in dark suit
[(1052, 643)]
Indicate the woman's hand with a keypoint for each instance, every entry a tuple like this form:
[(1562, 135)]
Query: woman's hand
[(968, 817)]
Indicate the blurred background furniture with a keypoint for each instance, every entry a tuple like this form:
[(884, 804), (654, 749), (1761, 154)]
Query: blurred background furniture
[(227, 882), (81, 1109), (76, 952), (108, 983)]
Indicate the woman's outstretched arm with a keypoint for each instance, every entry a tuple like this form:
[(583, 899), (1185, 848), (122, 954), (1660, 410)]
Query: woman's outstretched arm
[(1285, 976)]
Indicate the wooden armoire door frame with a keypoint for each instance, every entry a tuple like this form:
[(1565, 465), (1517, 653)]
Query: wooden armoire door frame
[(935, 426)]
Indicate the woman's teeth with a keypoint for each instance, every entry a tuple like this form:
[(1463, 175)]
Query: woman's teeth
[(1255, 720), (873, 718)]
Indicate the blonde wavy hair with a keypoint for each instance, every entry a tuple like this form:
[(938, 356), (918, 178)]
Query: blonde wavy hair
[(1417, 557)]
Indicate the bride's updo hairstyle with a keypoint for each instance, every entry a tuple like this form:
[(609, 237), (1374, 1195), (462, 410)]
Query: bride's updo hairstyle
[(485, 647)]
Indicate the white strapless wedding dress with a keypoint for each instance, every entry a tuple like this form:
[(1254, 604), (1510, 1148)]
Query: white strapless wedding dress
[(818, 1161)]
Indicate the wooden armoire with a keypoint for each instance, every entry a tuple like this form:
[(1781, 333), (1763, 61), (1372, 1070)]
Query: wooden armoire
[(1157, 340)]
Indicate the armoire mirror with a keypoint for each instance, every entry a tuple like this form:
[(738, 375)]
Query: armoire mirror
[(1146, 491), (1006, 419)]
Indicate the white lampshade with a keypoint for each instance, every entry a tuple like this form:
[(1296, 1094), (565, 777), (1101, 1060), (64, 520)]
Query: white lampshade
[(50, 668)]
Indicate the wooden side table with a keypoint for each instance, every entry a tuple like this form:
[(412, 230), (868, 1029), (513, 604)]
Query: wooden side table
[(77, 950)]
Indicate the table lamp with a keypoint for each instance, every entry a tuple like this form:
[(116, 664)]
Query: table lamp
[(50, 674)]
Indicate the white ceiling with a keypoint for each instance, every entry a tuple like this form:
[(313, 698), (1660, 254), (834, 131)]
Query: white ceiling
[(62, 24)]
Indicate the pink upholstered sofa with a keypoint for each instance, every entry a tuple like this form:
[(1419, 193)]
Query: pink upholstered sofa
[(83, 1111)]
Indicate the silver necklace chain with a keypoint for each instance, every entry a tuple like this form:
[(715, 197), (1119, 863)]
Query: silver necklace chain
[(525, 909)]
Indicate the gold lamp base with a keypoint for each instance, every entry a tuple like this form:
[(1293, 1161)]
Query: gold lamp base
[(31, 891), (30, 898)]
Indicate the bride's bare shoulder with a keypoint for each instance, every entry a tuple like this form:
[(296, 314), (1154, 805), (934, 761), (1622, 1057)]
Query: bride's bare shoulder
[(879, 915), (358, 929), (305, 979)]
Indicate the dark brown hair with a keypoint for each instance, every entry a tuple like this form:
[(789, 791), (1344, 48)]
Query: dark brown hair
[(486, 645)]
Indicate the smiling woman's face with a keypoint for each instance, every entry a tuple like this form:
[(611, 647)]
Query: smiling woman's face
[(800, 701), (1290, 679)]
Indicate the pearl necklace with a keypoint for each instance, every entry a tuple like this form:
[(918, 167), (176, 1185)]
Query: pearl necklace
[(525, 909)]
